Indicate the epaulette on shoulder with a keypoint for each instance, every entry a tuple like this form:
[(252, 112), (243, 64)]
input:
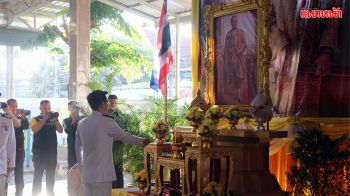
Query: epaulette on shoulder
[(105, 115), (5, 115)]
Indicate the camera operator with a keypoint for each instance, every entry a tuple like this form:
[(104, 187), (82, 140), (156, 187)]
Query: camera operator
[(21, 115), (44, 149), (70, 127)]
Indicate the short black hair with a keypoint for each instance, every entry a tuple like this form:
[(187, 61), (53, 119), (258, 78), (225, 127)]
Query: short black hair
[(44, 101), (96, 98), (11, 101), (71, 103), (112, 97)]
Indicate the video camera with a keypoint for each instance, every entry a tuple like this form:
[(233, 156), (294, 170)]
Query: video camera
[(3, 105), (27, 112), (53, 115)]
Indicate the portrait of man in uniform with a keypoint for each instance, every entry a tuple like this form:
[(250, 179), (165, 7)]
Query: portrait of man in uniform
[(235, 58)]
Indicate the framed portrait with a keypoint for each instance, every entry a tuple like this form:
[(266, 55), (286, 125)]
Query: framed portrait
[(237, 53)]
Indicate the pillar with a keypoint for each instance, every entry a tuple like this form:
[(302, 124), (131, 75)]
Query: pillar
[(79, 50), (9, 72)]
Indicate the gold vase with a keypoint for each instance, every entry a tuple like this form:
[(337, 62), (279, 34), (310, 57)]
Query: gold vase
[(195, 126), (160, 135), (233, 123)]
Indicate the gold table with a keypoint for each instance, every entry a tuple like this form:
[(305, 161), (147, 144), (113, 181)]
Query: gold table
[(156, 150)]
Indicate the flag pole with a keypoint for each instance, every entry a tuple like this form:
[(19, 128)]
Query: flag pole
[(166, 99)]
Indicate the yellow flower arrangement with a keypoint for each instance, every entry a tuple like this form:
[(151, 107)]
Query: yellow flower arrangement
[(233, 113), (212, 189), (140, 176), (213, 113), (195, 114), (160, 126), (207, 128)]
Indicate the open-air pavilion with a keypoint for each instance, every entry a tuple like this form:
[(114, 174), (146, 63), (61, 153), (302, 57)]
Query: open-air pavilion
[(269, 80)]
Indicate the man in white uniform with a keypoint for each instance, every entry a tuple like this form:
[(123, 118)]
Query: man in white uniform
[(7, 150), (94, 138)]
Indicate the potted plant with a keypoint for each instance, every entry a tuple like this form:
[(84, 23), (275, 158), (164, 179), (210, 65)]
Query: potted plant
[(207, 130), (195, 115), (322, 167), (212, 189), (233, 114), (160, 128), (141, 181), (214, 113)]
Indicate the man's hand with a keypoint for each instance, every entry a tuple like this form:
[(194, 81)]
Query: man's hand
[(323, 64), (46, 117), (10, 170), (146, 142)]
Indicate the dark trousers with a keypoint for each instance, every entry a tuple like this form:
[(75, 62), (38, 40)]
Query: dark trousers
[(72, 157), (48, 164), (119, 183), (19, 181)]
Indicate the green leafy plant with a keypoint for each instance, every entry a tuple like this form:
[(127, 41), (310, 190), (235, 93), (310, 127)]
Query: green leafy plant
[(140, 123), (322, 168)]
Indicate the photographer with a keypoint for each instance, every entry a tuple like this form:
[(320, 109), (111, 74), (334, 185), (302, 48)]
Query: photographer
[(70, 127), (44, 149), (21, 115)]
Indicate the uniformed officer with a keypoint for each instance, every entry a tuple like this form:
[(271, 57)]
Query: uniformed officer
[(20, 154), (44, 148), (118, 146), (7, 151), (93, 146)]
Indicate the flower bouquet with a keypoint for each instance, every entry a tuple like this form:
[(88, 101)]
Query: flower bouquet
[(233, 114), (207, 131), (212, 189), (160, 128), (141, 181), (214, 113), (195, 115)]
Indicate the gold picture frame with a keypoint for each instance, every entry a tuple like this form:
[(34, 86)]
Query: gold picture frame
[(217, 12)]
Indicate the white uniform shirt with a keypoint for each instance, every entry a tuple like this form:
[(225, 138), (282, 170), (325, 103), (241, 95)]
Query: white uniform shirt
[(93, 145), (7, 145)]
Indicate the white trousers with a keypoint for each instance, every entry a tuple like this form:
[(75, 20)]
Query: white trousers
[(2, 185), (98, 189)]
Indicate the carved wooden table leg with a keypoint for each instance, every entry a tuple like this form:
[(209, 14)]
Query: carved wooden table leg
[(188, 171), (200, 175), (160, 188), (147, 162), (183, 182)]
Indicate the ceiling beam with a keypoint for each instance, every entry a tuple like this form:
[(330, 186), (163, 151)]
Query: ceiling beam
[(25, 22), (155, 7), (184, 3), (125, 8), (23, 7)]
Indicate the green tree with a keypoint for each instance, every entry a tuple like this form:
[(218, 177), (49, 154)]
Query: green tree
[(127, 58)]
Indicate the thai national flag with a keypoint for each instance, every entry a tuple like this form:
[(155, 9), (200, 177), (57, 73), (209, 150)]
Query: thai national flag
[(161, 69)]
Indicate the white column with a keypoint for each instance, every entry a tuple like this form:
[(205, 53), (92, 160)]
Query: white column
[(79, 50), (177, 65), (9, 72)]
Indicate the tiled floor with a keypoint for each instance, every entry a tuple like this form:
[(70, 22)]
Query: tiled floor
[(60, 185)]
